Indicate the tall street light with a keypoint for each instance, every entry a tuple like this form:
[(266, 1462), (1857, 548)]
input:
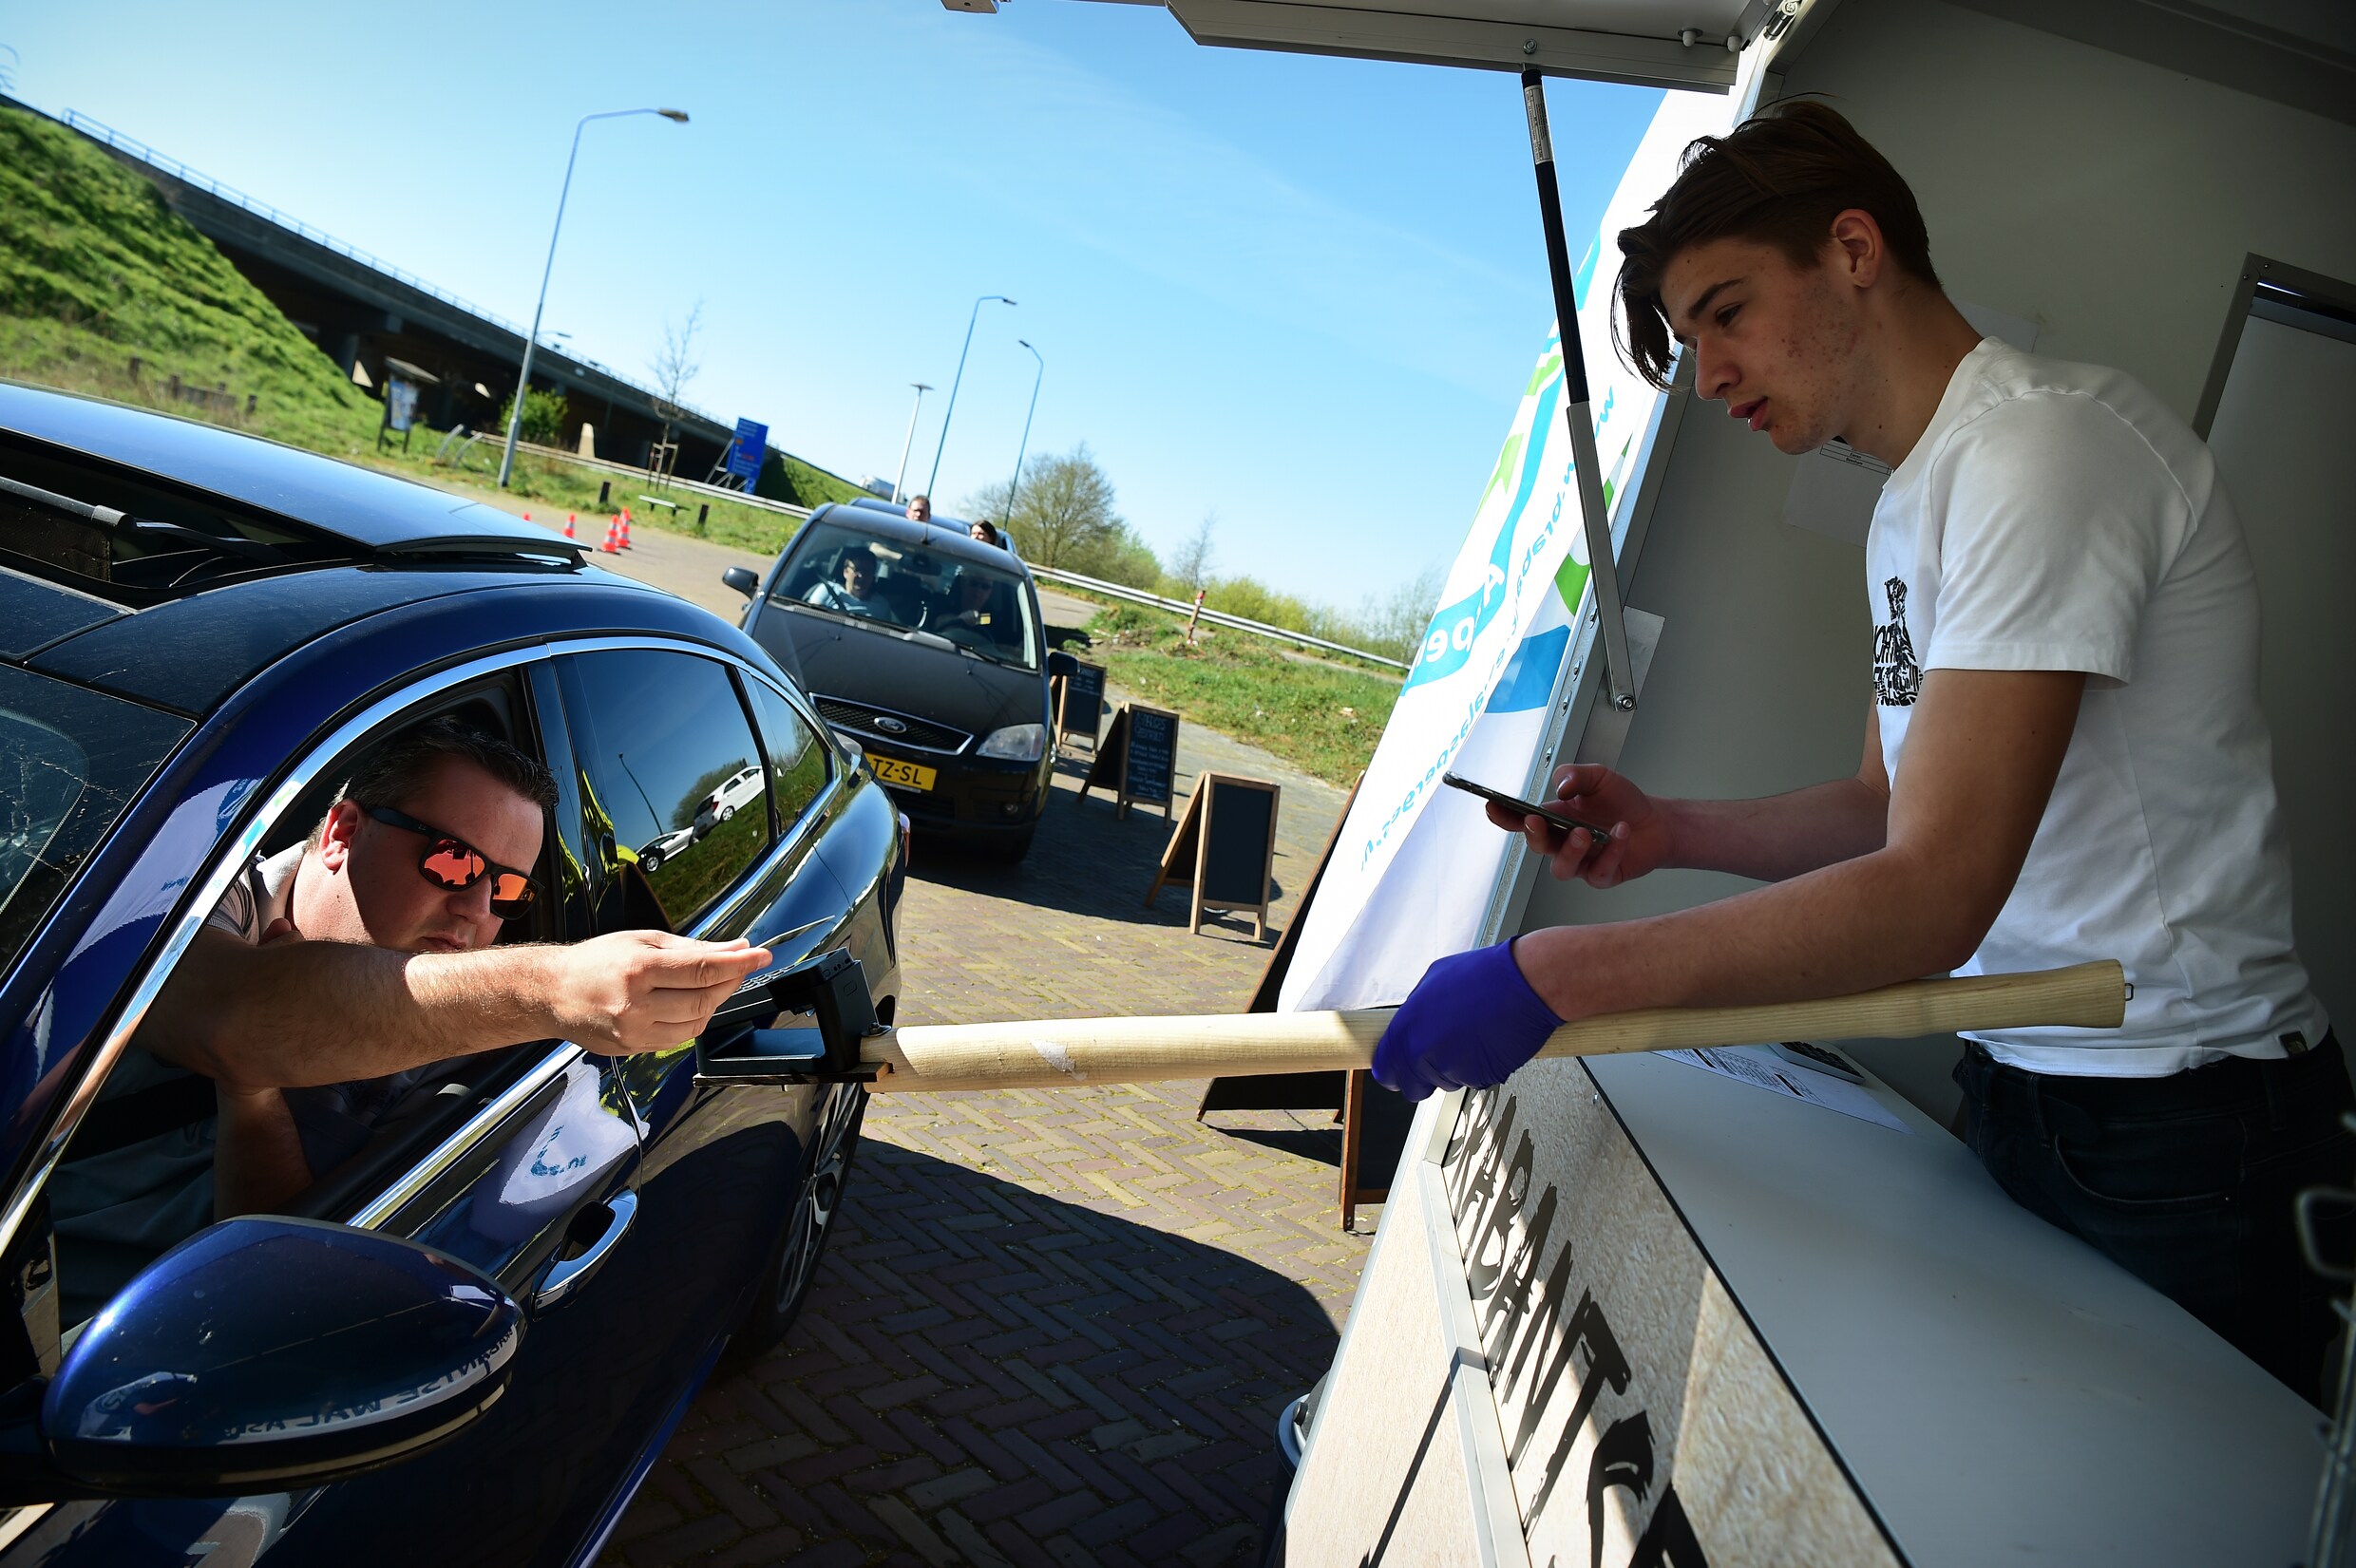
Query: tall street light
[(523, 382), (1035, 379), (921, 388), (950, 413)]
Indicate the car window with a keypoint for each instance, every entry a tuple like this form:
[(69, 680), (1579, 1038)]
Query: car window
[(797, 762), (149, 1163), (866, 576), (670, 780), (70, 761)]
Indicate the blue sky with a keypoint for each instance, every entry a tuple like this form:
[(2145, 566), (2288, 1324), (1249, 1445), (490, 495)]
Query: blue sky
[(1302, 293)]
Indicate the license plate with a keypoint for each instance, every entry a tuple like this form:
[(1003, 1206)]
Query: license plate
[(907, 775)]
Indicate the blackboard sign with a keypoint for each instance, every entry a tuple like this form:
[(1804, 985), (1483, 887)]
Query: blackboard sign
[(1137, 759), (1151, 769), (1227, 841), (1079, 702)]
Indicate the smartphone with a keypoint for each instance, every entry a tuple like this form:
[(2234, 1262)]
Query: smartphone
[(1552, 814)]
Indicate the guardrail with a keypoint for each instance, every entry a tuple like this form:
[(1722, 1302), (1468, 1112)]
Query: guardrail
[(164, 162), (623, 470), (1217, 618)]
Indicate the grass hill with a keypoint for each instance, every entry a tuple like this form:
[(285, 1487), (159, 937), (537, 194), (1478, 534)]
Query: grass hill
[(97, 273)]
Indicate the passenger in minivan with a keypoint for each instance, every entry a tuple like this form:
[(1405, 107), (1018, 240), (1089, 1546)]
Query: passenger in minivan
[(343, 963)]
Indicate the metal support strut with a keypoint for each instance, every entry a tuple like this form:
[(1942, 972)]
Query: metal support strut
[(1603, 570)]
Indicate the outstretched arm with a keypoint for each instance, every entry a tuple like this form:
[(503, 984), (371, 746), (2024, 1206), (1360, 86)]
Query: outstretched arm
[(294, 1014)]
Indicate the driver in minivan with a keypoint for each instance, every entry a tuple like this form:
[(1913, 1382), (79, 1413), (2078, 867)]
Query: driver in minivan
[(855, 595), (344, 962)]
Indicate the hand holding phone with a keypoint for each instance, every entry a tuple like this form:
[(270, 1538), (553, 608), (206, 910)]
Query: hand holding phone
[(1554, 814), (1595, 792)]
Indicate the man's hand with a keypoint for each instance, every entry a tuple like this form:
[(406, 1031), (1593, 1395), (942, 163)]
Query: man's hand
[(1639, 829), (1469, 1023), (642, 991)]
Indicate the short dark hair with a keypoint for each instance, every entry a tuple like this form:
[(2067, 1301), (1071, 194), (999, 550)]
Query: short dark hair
[(1779, 178), (402, 763)]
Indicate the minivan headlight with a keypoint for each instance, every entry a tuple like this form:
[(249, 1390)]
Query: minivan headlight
[(1020, 743)]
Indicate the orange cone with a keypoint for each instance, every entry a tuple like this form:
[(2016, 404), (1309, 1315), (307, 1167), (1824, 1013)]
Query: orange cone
[(625, 528), (569, 526), (613, 534), (527, 516)]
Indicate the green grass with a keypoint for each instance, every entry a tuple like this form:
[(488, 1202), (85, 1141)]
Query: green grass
[(96, 271), (1322, 718)]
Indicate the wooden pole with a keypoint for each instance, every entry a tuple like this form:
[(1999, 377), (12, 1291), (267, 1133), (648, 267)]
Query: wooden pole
[(1056, 1052)]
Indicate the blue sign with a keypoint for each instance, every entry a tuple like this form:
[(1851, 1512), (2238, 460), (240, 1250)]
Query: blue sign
[(747, 451)]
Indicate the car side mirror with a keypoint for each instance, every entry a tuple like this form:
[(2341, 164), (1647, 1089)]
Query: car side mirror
[(1061, 663), (742, 1044), (744, 579), (272, 1355)]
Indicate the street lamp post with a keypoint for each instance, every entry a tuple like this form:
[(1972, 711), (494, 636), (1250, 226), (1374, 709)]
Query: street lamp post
[(921, 388), (523, 382), (1017, 482), (949, 414)]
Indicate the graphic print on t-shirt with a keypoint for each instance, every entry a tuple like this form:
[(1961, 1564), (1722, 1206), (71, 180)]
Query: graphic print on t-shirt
[(1897, 679)]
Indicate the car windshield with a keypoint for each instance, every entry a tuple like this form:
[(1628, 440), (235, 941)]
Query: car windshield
[(70, 761), (850, 572)]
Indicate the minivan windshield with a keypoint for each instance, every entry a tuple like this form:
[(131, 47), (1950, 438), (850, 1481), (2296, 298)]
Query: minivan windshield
[(850, 572)]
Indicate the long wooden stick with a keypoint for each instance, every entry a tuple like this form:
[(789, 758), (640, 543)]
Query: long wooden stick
[(1060, 1052)]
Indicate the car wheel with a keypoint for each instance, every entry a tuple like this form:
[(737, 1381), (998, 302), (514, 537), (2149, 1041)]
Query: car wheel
[(725, 812), (1012, 850), (834, 1139), (650, 863)]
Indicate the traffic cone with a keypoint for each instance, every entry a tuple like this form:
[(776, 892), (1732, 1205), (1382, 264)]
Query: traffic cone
[(613, 534), (625, 528), (527, 516), (569, 526)]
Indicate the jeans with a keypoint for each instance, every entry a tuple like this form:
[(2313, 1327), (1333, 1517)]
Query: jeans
[(2187, 1182)]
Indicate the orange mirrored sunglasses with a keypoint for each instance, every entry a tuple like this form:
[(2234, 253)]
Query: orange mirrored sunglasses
[(449, 861)]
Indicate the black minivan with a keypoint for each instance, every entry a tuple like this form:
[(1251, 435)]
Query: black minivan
[(924, 646)]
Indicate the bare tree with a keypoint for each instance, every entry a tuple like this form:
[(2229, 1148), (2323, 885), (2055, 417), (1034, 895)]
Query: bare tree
[(675, 364), (1191, 564)]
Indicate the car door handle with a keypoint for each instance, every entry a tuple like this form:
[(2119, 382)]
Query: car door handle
[(569, 1276)]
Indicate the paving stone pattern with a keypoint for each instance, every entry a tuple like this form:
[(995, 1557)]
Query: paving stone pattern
[(1051, 1326)]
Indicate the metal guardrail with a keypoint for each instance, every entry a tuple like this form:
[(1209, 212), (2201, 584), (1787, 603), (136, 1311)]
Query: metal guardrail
[(1217, 618), (166, 163), (624, 470)]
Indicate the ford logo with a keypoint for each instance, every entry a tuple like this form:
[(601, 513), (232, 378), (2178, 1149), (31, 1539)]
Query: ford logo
[(889, 725)]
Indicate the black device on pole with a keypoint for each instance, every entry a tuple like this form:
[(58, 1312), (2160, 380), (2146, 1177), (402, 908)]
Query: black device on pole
[(1603, 572), (741, 1043)]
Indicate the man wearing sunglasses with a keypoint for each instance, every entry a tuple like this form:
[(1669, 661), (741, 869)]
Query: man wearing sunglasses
[(348, 960)]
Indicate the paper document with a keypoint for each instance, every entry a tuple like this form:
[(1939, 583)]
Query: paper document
[(1761, 1067)]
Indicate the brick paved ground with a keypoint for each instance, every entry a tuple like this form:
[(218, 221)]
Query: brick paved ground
[(1053, 1327)]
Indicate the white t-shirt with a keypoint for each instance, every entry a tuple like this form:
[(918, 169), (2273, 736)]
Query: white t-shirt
[(2059, 517)]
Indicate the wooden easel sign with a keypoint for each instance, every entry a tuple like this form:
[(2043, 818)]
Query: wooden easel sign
[(1138, 758), (1079, 703), (1227, 840)]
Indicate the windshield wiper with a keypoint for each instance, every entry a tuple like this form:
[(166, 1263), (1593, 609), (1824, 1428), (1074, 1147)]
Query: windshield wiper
[(123, 523)]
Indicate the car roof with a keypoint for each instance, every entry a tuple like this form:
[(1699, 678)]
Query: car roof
[(373, 511), (945, 536)]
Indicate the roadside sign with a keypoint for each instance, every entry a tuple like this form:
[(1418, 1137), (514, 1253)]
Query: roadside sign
[(745, 453)]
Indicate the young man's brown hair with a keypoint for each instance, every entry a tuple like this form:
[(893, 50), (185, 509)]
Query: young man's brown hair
[(1779, 178)]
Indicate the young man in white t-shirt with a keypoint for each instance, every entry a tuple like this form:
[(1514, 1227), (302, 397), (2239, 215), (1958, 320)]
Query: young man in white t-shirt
[(2065, 758)]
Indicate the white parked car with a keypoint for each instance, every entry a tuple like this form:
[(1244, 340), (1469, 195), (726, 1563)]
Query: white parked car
[(740, 788)]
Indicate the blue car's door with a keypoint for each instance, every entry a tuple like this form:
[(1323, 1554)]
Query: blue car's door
[(531, 1176)]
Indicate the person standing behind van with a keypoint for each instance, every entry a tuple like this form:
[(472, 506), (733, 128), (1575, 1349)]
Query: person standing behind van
[(2064, 758)]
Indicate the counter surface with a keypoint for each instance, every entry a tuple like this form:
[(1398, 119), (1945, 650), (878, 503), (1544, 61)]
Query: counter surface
[(2000, 1390)]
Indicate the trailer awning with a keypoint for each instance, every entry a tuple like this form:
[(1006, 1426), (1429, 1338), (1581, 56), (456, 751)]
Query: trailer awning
[(1689, 44)]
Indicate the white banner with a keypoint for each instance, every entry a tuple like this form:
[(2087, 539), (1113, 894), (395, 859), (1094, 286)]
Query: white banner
[(1412, 869)]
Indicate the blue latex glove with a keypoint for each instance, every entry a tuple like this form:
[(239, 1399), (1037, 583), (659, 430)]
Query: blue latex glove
[(1469, 1023)]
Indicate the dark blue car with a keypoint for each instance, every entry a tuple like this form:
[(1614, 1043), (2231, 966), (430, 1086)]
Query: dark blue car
[(467, 1342)]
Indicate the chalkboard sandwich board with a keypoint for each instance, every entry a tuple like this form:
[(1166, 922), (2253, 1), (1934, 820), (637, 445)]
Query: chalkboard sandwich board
[(1137, 759), (1078, 700), (1228, 838)]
